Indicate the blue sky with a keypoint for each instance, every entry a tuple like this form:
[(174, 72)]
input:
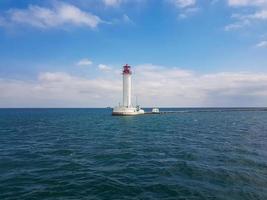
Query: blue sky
[(46, 45)]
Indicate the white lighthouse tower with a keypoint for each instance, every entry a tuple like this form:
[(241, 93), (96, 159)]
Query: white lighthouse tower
[(127, 86), (127, 108)]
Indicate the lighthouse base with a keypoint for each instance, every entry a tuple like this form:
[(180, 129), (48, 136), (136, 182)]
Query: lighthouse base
[(127, 111)]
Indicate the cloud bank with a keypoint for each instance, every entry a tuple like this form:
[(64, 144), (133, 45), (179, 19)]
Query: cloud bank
[(154, 86)]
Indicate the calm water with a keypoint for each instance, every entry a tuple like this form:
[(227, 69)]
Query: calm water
[(88, 154)]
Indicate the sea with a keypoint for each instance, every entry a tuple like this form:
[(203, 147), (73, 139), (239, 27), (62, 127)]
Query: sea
[(194, 153)]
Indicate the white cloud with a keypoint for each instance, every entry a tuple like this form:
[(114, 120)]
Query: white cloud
[(104, 68), (84, 62), (237, 25), (262, 14), (59, 15), (127, 19), (186, 7), (183, 3), (112, 3), (247, 2), (124, 19), (243, 20), (117, 3), (262, 44), (188, 12), (154, 86), (259, 13)]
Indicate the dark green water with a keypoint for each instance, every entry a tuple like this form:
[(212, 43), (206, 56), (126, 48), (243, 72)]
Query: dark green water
[(88, 154)]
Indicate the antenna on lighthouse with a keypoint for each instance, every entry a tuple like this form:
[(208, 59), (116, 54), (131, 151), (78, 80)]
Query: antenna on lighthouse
[(136, 100)]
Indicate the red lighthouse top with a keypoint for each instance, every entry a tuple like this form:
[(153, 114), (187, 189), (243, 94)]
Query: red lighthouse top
[(127, 69)]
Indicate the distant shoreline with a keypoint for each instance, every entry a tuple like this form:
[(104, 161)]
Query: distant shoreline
[(144, 108), (163, 110)]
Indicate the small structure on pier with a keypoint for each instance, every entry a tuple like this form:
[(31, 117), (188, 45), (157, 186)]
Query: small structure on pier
[(155, 111)]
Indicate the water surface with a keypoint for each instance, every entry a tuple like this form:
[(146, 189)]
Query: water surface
[(88, 154)]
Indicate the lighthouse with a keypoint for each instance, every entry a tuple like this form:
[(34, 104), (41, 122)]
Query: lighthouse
[(127, 85), (127, 108)]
